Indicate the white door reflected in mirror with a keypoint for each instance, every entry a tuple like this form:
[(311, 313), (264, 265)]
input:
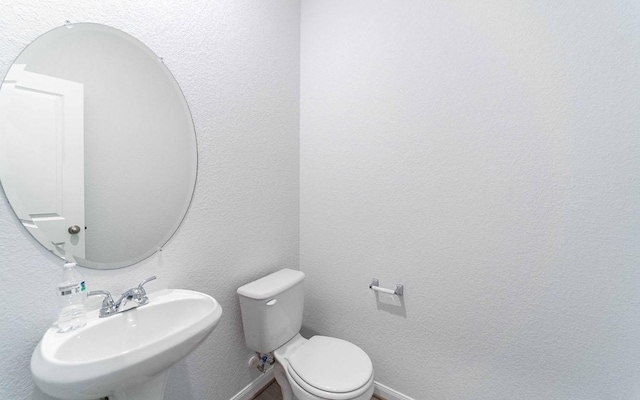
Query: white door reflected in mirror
[(42, 120)]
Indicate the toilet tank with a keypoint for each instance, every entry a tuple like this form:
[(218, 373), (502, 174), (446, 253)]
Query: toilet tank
[(272, 309)]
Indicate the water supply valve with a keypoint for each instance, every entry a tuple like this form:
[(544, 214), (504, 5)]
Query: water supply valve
[(262, 361)]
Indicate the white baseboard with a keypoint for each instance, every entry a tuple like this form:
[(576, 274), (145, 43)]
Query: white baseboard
[(387, 393), (255, 387)]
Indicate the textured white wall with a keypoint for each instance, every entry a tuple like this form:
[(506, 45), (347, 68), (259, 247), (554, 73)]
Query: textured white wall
[(238, 65), (486, 155)]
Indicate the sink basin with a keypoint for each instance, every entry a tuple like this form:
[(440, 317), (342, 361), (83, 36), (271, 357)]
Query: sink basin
[(127, 355)]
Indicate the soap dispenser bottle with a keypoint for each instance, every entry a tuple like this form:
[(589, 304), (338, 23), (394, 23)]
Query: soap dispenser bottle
[(72, 292)]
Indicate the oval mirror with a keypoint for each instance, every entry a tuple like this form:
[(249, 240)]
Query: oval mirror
[(98, 153)]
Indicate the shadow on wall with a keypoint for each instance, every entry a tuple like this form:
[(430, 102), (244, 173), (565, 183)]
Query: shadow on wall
[(391, 303)]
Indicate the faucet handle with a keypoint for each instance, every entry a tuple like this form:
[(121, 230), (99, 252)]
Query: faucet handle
[(107, 301), (144, 282), (108, 305), (139, 293), (143, 293)]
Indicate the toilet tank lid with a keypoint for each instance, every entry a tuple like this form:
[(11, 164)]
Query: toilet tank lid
[(272, 284)]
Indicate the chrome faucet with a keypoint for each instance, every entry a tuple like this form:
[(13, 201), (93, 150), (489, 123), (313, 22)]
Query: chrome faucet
[(132, 298)]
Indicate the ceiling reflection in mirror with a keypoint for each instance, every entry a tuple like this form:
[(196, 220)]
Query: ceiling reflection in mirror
[(98, 153)]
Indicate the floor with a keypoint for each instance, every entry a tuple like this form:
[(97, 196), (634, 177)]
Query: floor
[(272, 392)]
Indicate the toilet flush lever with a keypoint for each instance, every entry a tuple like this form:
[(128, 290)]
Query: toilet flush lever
[(272, 302)]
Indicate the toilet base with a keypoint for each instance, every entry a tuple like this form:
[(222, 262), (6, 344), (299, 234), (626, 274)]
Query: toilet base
[(281, 377)]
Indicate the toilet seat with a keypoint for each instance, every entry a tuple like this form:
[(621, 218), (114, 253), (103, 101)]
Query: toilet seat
[(321, 394), (331, 368)]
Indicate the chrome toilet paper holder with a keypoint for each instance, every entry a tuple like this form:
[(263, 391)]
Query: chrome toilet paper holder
[(375, 285)]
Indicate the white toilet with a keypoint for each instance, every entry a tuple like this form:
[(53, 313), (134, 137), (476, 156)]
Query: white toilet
[(319, 368)]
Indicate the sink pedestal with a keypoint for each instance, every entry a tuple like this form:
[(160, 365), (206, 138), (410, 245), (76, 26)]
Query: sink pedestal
[(152, 389)]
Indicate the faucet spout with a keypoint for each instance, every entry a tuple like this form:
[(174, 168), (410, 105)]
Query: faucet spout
[(132, 298), (123, 304)]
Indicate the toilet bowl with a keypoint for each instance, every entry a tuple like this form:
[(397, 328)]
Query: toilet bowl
[(324, 368), (319, 368)]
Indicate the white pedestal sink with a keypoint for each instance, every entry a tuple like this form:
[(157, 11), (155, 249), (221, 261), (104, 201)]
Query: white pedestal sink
[(127, 355)]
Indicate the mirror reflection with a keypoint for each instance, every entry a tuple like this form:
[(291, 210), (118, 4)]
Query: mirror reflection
[(98, 157)]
